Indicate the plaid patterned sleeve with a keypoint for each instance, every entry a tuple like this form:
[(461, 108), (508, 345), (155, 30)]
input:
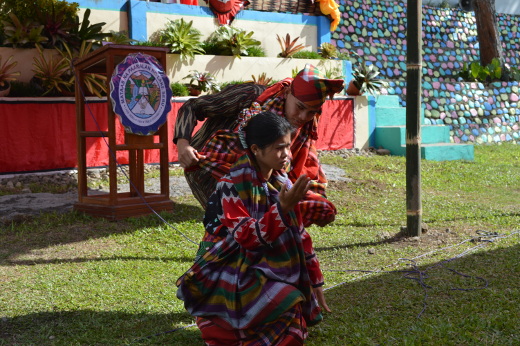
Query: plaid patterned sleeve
[(227, 103)]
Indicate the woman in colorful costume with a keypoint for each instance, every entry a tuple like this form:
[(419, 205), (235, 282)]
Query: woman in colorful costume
[(207, 155), (256, 279)]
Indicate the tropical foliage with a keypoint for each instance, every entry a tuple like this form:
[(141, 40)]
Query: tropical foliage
[(475, 72), (202, 81), (6, 74), (289, 47), (181, 37), (328, 51), (262, 79), (48, 73), (94, 83), (228, 40), (365, 78)]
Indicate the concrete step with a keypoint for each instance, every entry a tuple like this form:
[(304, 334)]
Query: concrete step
[(430, 134), (447, 152), (438, 151), (392, 116), (387, 101)]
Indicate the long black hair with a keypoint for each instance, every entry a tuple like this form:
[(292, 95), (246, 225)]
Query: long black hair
[(265, 128)]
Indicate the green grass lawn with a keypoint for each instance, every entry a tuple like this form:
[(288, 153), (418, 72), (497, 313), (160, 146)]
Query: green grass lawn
[(71, 279)]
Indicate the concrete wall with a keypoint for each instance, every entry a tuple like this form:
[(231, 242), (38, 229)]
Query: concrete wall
[(228, 68), (114, 13)]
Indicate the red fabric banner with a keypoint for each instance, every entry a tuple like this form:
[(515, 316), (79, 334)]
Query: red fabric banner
[(37, 136), (336, 126)]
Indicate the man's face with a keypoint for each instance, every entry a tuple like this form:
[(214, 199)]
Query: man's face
[(298, 113)]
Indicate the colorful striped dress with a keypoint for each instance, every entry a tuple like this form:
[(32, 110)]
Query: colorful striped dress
[(251, 283), (218, 142)]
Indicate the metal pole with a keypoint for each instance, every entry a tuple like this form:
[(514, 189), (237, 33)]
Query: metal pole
[(413, 118)]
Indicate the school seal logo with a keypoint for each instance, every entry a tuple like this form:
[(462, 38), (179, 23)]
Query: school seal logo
[(140, 94)]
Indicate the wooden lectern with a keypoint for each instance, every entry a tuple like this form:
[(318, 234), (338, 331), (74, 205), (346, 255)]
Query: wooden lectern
[(114, 205)]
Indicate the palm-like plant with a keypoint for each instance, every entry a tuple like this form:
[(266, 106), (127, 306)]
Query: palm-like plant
[(119, 37), (85, 31), (95, 83), (229, 40), (49, 72), (289, 47), (22, 34), (262, 79), (328, 51), (181, 38), (202, 81), (6, 75), (366, 80)]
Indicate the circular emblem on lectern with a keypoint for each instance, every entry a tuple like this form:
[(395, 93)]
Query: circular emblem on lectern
[(140, 94)]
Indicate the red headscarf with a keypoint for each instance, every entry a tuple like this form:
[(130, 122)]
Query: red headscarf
[(311, 87)]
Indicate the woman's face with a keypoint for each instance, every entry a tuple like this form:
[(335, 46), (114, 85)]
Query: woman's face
[(297, 112), (274, 156)]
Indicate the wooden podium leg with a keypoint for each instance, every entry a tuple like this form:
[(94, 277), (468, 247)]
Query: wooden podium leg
[(136, 170)]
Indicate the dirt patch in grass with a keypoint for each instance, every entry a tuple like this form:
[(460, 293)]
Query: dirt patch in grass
[(85, 240)]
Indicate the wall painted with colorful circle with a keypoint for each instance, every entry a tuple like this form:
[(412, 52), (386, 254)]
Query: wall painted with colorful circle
[(476, 113)]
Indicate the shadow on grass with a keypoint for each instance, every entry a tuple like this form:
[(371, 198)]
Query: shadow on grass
[(397, 237), (496, 214), (471, 300), (97, 259), (375, 309), (53, 229), (87, 327)]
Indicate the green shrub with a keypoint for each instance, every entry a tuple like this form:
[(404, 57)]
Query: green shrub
[(26, 23), (181, 38), (228, 40), (328, 51), (179, 89), (120, 37), (148, 44), (306, 54), (31, 10), (85, 31), (475, 72), (233, 82), (256, 51), (211, 48)]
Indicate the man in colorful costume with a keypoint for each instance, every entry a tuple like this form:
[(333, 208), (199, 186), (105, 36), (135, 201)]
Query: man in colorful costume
[(207, 157)]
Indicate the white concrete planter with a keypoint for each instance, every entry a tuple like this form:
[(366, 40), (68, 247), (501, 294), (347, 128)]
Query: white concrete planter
[(223, 68), (228, 68)]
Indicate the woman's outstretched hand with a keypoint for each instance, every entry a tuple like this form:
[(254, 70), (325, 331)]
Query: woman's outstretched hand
[(289, 198), (320, 296)]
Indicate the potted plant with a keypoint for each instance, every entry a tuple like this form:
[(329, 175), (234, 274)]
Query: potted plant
[(365, 80), (6, 75), (179, 89), (262, 79), (328, 51), (49, 74), (201, 82), (228, 40), (94, 83), (181, 38), (288, 47)]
